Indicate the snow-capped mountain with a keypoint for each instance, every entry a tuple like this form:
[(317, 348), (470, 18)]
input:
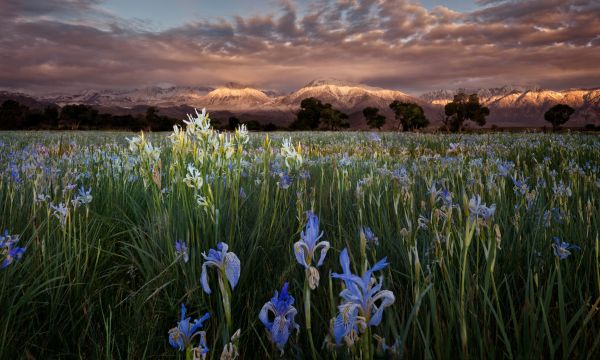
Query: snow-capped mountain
[(154, 95), (347, 96), (509, 105), (519, 106), (235, 98)]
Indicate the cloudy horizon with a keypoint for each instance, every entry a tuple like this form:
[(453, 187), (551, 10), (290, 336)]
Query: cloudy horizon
[(412, 46)]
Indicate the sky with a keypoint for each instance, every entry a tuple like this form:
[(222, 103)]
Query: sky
[(409, 45)]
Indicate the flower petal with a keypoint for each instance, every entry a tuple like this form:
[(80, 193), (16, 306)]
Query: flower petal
[(204, 278), (325, 247), (232, 268)]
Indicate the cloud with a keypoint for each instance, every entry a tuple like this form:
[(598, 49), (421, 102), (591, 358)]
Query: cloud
[(63, 45)]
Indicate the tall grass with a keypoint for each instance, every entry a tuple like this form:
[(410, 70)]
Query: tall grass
[(108, 284)]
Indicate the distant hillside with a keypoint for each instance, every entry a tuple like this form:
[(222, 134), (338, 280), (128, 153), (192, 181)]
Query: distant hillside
[(516, 106)]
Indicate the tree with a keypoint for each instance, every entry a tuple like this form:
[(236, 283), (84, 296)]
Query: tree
[(374, 119), (12, 115), (462, 108), (309, 116), (410, 115), (233, 123), (333, 118), (76, 116), (558, 115)]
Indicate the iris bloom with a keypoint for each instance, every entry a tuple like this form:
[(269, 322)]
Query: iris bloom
[(364, 301), (181, 336), (306, 248), (181, 250), (227, 262), (477, 210), (280, 307), (368, 235), (8, 252), (562, 250)]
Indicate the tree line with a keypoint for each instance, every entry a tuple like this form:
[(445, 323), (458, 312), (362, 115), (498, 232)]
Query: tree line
[(313, 115), (16, 116)]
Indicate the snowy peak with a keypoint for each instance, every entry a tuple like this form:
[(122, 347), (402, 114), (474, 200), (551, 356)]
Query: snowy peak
[(238, 97), (346, 95)]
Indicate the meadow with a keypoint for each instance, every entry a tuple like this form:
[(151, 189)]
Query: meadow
[(392, 245)]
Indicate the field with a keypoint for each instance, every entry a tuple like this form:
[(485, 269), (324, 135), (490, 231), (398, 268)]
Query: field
[(492, 245)]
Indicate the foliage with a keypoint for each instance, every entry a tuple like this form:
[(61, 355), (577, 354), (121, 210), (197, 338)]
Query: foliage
[(410, 115), (464, 108), (373, 118), (313, 113), (558, 115), (492, 244)]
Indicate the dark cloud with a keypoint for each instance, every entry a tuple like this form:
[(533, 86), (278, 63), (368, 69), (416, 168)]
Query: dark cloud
[(60, 45)]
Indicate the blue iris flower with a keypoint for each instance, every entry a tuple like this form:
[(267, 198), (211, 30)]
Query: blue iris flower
[(181, 336), (306, 248), (8, 252), (364, 301), (181, 250), (369, 235), (308, 245), (562, 249), (283, 313), (227, 262)]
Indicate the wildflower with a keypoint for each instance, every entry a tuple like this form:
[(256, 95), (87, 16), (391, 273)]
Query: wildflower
[(562, 250), (241, 134), (305, 249), (423, 222), (61, 212), (201, 122), (478, 210), (454, 147), (181, 250), (292, 156), (193, 178), (561, 189), (368, 235), (83, 197), (446, 197), (8, 252), (374, 137), (364, 301), (226, 262), (520, 186), (181, 336), (285, 181), (280, 307), (230, 350)]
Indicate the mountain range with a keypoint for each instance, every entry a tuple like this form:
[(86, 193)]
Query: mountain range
[(510, 106)]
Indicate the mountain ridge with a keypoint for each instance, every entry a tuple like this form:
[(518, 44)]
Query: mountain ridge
[(510, 105)]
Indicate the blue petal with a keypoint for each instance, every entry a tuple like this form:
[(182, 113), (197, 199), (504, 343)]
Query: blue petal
[(204, 279), (280, 331), (232, 268), (345, 261), (299, 252)]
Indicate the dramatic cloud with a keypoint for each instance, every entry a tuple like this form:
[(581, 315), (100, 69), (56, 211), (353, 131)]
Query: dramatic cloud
[(62, 45)]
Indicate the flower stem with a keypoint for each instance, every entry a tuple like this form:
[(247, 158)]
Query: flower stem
[(307, 316), (225, 296)]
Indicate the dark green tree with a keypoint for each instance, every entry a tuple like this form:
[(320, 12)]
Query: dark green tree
[(78, 116), (462, 108), (558, 115), (309, 116), (233, 123), (374, 119), (409, 115), (333, 118), (12, 115)]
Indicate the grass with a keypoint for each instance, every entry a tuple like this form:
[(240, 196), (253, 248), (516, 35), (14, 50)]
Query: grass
[(108, 284)]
